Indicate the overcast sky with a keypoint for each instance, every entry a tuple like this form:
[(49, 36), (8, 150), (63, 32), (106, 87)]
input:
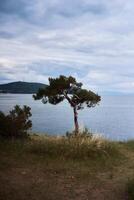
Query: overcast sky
[(92, 40)]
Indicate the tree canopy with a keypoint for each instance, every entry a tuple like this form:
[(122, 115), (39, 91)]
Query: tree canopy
[(68, 88), (63, 87)]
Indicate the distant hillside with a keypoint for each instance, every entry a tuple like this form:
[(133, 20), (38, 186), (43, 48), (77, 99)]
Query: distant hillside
[(21, 87)]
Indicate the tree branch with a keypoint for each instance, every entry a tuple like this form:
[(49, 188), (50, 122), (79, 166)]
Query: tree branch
[(69, 100)]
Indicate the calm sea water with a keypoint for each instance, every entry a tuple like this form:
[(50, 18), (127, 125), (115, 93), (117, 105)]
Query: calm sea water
[(113, 118)]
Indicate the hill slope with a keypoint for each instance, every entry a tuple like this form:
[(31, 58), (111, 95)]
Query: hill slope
[(21, 87)]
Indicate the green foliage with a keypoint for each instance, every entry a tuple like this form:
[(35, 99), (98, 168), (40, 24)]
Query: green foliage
[(21, 87), (82, 134), (130, 144), (67, 88), (16, 123), (130, 189)]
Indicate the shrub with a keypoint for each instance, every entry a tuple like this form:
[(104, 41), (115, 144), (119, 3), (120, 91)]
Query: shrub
[(85, 133), (16, 123)]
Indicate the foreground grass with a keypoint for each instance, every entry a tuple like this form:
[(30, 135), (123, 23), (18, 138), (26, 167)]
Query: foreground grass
[(56, 168)]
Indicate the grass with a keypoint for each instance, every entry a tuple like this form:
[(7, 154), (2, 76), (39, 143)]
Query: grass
[(78, 148), (69, 168), (130, 189)]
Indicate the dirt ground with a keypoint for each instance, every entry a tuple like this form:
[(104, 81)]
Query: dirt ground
[(28, 177)]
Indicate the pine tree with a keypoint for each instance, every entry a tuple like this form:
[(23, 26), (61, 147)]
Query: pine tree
[(68, 88)]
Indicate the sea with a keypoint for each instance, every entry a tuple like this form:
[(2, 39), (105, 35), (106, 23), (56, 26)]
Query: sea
[(113, 118)]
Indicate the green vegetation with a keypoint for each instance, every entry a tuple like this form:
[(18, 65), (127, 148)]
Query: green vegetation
[(72, 167), (21, 87), (67, 88), (76, 148), (16, 123), (130, 189), (83, 167)]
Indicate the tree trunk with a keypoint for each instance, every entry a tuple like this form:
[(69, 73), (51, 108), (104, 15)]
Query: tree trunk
[(76, 121)]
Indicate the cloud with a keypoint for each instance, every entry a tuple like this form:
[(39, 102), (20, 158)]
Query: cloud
[(91, 40)]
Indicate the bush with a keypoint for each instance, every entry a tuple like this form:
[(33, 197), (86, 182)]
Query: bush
[(16, 123), (85, 133)]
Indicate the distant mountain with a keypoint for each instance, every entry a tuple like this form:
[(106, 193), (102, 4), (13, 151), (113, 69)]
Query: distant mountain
[(21, 87)]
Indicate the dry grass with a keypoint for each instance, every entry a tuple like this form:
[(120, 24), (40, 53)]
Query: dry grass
[(78, 148), (56, 168)]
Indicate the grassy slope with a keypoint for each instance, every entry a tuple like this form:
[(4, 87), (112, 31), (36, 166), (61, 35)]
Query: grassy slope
[(48, 169)]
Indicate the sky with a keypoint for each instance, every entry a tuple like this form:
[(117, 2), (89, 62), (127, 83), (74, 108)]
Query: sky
[(90, 40)]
